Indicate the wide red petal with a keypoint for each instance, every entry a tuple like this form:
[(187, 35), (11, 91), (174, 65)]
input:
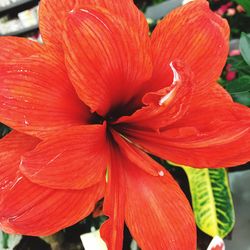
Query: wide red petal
[(75, 159), (51, 16), (166, 105), (17, 47), (30, 209), (27, 208), (195, 35), (214, 132), (12, 146), (157, 213), (37, 97), (112, 229), (53, 12), (107, 60)]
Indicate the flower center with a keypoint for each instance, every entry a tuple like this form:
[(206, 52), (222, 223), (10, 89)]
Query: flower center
[(115, 113)]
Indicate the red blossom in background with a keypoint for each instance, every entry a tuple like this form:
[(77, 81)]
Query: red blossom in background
[(230, 74), (100, 94), (224, 8)]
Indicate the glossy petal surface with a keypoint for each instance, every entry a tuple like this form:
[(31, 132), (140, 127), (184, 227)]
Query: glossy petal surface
[(156, 211), (17, 47), (75, 159), (148, 95), (30, 209), (106, 59), (112, 229), (195, 35), (212, 133), (53, 13), (37, 210), (166, 105), (51, 17), (37, 97), (12, 147), (136, 155)]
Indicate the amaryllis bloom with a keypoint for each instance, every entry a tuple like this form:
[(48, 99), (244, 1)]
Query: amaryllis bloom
[(97, 99)]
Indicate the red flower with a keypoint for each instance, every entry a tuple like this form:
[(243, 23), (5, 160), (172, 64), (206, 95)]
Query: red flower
[(101, 94)]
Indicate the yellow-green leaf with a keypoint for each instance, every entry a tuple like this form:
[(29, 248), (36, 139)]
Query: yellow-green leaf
[(211, 199)]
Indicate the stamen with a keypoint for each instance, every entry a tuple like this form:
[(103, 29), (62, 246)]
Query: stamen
[(176, 79)]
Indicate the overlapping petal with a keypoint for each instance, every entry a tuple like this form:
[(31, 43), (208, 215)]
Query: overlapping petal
[(17, 47), (12, 147), (37, 97), (75, 159), (148, 200), (214, 132), (166, 105), (157, 213), (52, 15), (195, 35), (112, 229), (110, 61), (27, 208), (37, 210), (134, 154), (107, 61)]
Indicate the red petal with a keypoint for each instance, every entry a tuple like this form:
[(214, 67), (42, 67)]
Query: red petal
[(51, 16), (165, 106), (148, 203), (30, 209), (157, 213), (75, 159), (53, 12), (12, 147), (112, 229), (215, 132), (17, 47), (116, 60), (27, 208), (137, 156), (37, 97), (194, 35)]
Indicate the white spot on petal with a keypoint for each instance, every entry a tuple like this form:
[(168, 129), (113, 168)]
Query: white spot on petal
[(161, 173)]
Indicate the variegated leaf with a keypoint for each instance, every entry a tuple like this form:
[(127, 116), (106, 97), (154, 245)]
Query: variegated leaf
[(212, 200)]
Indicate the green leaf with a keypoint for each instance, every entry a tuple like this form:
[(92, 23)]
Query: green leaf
[(9, 241), (243, 98), (245, 46), (239, 85), (5, 240), (239, 65), (212, 200), (245, 4)]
